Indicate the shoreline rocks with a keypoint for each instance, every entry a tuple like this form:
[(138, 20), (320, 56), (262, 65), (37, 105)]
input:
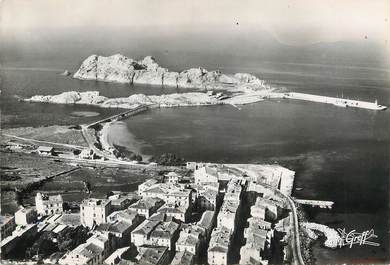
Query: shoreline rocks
[(94, 98), (163, 101), (66, 73), (332, 236)]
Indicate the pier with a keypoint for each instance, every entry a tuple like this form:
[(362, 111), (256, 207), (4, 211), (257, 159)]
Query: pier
[(316, 203), (339, 102)]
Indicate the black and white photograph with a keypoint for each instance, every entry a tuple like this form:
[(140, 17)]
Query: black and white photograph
[(195, 132)]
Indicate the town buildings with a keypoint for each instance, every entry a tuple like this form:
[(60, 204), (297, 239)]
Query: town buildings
[(18, 238), (141, 235), (121, 201), (153, 255), (146, 185), (46, 205), (120, 231), (164, 234), (173, 178), (8, 225), (189, 222), (205, 174), (147, 206), (25, 216), (206, 196), (206, 222), (93, 252), (45, 150), (219, 246), (183, 258), (94, 212), (189, 240), (179, 212)]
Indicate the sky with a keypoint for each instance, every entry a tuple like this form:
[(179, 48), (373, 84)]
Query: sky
[(293, 22)]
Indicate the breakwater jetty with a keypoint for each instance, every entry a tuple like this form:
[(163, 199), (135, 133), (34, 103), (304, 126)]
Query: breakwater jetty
[(339, 102), (316, 203)]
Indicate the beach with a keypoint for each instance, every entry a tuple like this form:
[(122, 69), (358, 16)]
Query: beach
[(115, 134)]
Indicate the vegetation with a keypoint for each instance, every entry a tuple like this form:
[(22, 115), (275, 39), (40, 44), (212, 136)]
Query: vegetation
[(48, 242), (168, 159)]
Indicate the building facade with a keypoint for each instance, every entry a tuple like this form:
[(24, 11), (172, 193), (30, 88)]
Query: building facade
[(46, 205), (94, 212)]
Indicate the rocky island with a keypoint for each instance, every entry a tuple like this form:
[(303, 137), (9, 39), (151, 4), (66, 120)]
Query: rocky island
[(236, 89), (119, 68)]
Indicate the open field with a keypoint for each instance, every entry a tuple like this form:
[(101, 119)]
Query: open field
[(29, 168), (32, 173), (58, 134)]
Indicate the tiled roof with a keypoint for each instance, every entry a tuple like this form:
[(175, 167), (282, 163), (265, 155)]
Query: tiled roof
[(206, 219), (146, 227), (182, 258), (188, 238), (145, 203), (220, 239), (165, 230)]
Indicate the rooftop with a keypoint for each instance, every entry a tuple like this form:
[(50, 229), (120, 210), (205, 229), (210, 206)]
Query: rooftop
[(89, 250), (206, 219), (151, 254), (51, 198), (127, 215), (146, 227), (182, 258), (229, 207), (172, 209), (165, 230), (25, 210), (220, 239), (95, 202), (45, 148), (188, 238), (149, 182), (145, 203), (118, 226)]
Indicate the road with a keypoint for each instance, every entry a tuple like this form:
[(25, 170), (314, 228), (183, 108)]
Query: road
[(71, 146), (92, 141), (296, 242)]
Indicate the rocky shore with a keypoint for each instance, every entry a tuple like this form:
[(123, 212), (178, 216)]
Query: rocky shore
[(331, 235), (121, 69), (163, 101)]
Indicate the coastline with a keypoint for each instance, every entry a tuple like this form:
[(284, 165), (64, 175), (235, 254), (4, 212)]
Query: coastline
[(153, 101), (115, 134)]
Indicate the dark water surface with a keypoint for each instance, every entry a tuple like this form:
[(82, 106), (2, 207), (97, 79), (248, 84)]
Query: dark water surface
[(338, 154)]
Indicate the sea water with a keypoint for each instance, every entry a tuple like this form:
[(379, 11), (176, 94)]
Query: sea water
[(338, 154)]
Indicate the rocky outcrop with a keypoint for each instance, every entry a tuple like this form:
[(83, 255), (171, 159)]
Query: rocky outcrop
[(170, 79), (71, 97), (65, 73), (332, 237), (119, 68), (94, 98)]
